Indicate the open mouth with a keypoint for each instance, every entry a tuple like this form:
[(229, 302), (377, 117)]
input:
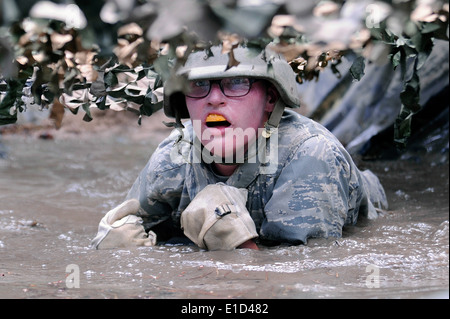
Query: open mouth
[(216, 120)]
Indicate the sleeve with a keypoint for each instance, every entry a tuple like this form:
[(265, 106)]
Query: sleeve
[(158, 187), (315, 194)]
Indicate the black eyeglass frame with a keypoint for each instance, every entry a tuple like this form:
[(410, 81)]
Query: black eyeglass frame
[(219, 81)]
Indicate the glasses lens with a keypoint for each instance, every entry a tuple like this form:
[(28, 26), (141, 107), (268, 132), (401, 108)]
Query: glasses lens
[(199, 88), (236, 86)]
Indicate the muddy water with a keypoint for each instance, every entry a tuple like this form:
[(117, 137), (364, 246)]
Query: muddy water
[(54, 192)]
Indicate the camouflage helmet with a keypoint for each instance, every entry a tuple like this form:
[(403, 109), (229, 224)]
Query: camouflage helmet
[(267, 65)]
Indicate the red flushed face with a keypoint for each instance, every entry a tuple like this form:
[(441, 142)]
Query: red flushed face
[(226, 125)]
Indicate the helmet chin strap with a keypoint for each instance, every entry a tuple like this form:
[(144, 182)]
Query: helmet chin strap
[(274, 119)]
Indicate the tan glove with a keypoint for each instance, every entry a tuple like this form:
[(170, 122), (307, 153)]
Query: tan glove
[(121, 227), (217, 218)]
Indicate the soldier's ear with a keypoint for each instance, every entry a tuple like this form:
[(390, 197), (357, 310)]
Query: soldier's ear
[(272, 97)]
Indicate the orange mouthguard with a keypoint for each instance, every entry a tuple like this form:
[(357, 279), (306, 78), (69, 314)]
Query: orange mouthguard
[(215, 118)]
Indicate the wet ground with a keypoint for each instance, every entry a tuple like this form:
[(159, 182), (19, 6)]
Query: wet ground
[(54, 192)]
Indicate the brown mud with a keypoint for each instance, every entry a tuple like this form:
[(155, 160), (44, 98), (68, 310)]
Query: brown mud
[(55, 190)]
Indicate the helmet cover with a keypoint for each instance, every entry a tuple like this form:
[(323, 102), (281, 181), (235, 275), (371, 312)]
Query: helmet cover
[(267, 65)]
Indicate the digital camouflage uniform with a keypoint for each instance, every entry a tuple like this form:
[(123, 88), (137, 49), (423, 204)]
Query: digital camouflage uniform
[(315, 190)]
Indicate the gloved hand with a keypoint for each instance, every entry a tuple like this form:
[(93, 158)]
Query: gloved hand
[(217, 218), (121, 227)]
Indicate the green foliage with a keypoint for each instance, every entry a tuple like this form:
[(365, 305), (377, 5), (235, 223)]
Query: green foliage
[(11, 102), (357, 68)]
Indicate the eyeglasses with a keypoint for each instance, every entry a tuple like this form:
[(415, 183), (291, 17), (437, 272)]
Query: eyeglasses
[(230, 87)]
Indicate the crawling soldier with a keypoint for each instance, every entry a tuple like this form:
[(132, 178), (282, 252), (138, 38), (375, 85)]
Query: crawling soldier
[(246, 170)]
